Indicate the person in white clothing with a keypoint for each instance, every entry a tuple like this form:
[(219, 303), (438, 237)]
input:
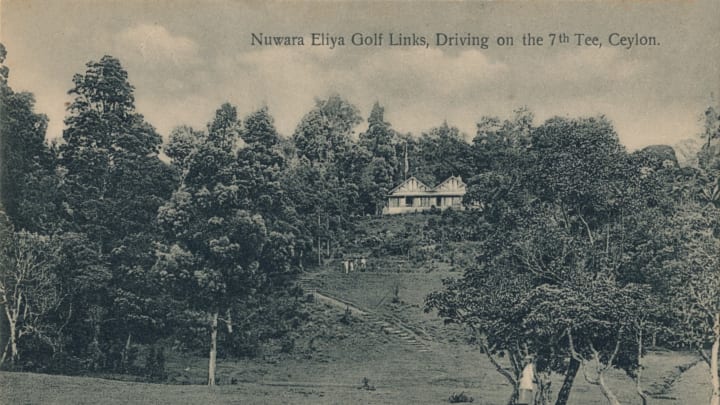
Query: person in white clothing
[(526, 384)]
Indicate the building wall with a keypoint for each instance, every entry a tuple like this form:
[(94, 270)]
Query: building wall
[(407, 204), (413, 196)]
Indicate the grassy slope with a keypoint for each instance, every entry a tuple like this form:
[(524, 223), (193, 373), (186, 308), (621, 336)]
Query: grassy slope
[(331, 359)]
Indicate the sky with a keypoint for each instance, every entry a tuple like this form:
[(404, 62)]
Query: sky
[(185, 58)]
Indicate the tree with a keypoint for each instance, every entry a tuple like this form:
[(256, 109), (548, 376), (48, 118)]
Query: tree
[(261, 165), (565, 232), (183, 142), (601, 320), (500, 156), (443, 153), (326, 170), (28, 292), (222, 256), (694, 285), (113, 183), (690, 277), (27, 164), (326, 130), (378, 175), (322, 201), (709, 154)]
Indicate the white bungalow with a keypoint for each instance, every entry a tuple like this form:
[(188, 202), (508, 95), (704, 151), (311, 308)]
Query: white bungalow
[(412, 195)]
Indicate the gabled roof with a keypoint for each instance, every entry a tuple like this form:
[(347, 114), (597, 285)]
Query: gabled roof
[(410, 186), (451, 184), (414, 187)]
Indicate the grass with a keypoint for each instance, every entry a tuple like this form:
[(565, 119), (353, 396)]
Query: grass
[(337, 362), (330, 366), (398, 375)]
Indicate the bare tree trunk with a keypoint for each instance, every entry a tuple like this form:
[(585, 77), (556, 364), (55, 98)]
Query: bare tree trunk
[(213, 349), (544, 392), (715, 399), (13, 342), (514, 397), (612, 399), (228, 321), (570, 374), (512, 380), (638, 375), (126, 352), (12, 318), (319, 243)]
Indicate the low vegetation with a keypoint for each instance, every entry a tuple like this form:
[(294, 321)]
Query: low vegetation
[(124, 255)]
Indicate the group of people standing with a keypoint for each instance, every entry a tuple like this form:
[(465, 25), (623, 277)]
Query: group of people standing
[(352, 264)]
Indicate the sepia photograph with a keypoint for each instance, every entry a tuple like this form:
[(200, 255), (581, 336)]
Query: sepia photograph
[(360, 202)]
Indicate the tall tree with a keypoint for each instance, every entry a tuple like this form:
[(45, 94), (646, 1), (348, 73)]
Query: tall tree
[(564, 219), (182, 143), (28, 291), (444, 153), (378, 175), (692, 278), (27, 164), (326, 130), (694, 285), (227, 251), (113, 184), (328, 162)]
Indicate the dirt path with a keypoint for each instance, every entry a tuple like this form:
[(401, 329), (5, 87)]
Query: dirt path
[(664, 388), (389, 325)]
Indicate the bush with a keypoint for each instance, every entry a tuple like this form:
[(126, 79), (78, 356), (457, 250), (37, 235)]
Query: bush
[(366, 385), (461, 397), (287, 344), (396, 294), (155, 364), (346, 318)]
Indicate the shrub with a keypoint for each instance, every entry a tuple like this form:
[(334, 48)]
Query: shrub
[(346, 318), (396, 294), (287, 344), (155, 364), (461, 397), (366, 385)]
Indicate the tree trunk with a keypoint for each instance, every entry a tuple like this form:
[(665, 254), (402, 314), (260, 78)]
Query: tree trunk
[(126, 353), (12, 318), (543, 394), (638, 375), (13, 342), (319, 244), (213, 349), (570, 374), (612, 399), (514, 397), (715, 399)]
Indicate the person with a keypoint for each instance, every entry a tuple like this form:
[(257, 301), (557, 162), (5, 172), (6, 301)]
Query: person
[(525, 394)]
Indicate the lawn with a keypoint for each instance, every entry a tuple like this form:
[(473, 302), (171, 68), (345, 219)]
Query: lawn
[(328, 367), (333, 356)]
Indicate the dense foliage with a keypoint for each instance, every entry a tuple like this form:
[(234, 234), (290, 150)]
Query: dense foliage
[(109, 240)]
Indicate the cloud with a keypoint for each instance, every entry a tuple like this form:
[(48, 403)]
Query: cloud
[(417, 85), (155, 46)]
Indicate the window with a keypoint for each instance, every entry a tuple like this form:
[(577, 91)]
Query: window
[(438, 201), (409, 201)]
